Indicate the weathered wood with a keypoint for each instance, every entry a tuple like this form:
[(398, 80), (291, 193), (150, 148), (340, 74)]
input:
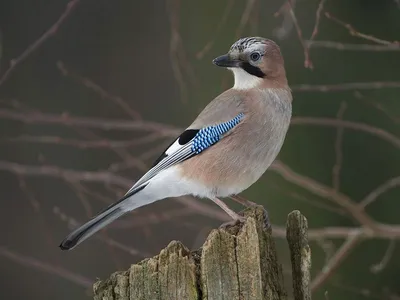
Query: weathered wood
[(237, 262), (300, 254)]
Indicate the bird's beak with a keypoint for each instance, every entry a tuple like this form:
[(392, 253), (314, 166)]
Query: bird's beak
[(226, 61)]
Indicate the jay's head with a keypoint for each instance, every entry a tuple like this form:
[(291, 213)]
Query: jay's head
[(255, 62)]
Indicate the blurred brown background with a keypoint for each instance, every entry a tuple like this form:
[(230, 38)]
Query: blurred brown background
[(84, 114)]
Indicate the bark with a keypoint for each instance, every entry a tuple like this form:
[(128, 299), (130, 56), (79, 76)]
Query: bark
[(236, 262)]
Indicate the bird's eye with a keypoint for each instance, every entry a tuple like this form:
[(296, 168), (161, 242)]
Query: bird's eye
[(255, 56)]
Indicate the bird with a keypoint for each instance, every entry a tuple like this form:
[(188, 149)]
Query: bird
[(227, 148)]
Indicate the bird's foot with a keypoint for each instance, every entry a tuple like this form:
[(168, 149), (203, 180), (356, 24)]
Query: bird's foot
[(240, 219), (236, 221)]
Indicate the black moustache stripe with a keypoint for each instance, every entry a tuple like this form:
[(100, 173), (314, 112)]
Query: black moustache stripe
[(252, 69)]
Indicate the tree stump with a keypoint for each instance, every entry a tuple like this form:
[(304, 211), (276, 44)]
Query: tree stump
[(237, 262)]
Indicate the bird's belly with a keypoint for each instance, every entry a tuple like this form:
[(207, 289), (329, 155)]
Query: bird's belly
[(241, 177), (230, 173)]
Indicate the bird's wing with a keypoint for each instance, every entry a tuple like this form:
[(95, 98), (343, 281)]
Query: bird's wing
[(190, 143)]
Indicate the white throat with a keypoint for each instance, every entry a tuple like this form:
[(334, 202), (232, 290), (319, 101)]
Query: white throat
[(244, 80)]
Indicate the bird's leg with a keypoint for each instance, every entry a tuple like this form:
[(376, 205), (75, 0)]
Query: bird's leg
[(236, 218), (249, 203), (243, 201), (225, 207)]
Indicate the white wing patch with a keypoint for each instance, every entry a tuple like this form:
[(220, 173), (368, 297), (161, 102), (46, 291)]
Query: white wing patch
[(175, 154), (174, 147)]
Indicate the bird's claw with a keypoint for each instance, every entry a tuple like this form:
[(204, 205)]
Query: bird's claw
[(240, 219), (234, 222)]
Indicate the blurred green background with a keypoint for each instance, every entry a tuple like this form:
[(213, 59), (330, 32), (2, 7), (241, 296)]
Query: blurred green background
[(151, 54)]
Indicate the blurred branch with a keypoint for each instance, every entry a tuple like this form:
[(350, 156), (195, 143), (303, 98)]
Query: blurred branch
[(377, 268), (27, 261), (377, 106), (378, 132), (105, 124), (287, 24), (220, 25), (371, 197), (390, 232), (170, 131), (345, 86), (338, 150), (153, 218), (307, 61), (179, 61), (99, 90), (1, 47), (335, 261), (317, 19), (245, 17), (66, 174), (356, 33), (36, 44), (351, 47), (83, 144), (324, 192), (376, 230)]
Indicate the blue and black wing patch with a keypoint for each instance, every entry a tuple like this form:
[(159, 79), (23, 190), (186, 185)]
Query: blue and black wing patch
[(208, 136), (190, 143)]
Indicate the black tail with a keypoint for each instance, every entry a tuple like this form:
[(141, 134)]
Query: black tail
[(111, 213), (86, 230)]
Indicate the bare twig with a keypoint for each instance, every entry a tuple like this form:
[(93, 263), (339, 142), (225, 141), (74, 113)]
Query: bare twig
[(378, 106), (45, 267), (170, 131), (326, 295), (335, 261), (325, 192), (307, 61), (346, 86), (313, 202), (338, 150), (255, 19), (129, 164), (287, 23), (99, 90), (105, 124), (245, 17), (152, 218), (387, 233), (352, 47), (70, 175), (378, 132), (49, 33), (317, 19), (1, 47), (179, 61), (377, 268), (83, 144), (328, 247), (371, 197), (220, 25), (356, 33)]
